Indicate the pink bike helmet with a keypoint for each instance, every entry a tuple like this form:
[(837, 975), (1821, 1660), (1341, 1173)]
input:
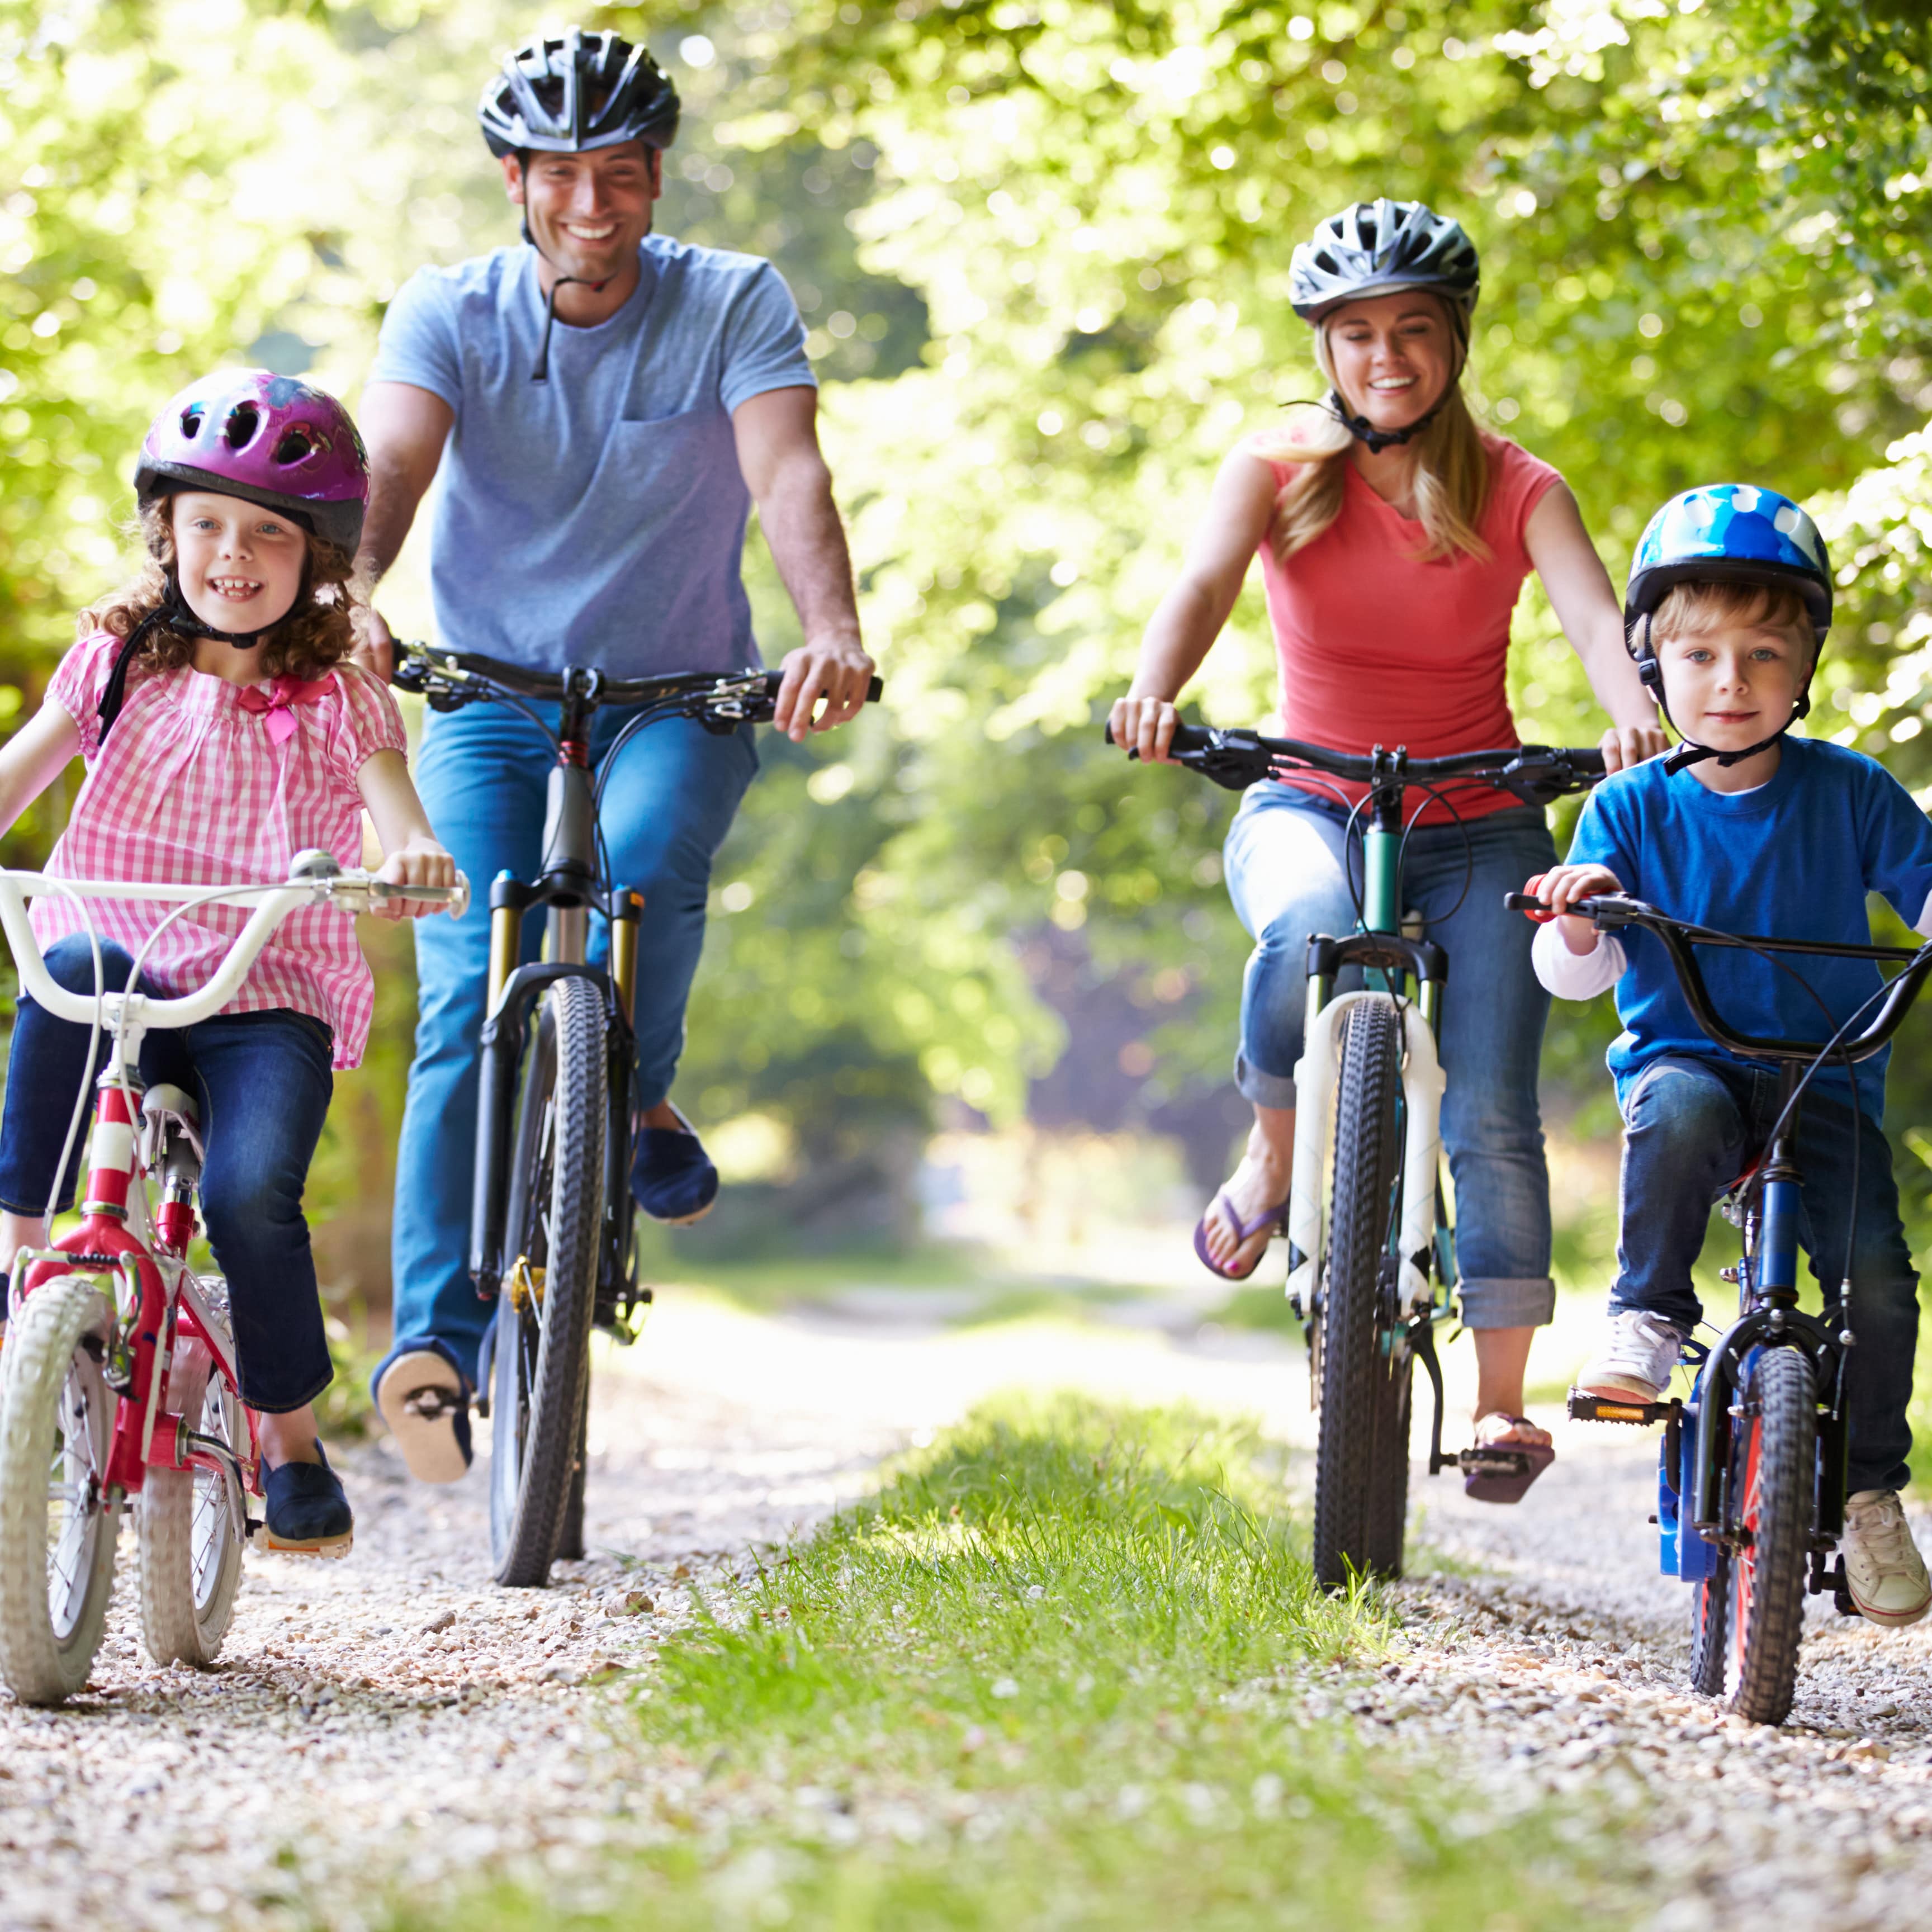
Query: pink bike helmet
[(270, 439)]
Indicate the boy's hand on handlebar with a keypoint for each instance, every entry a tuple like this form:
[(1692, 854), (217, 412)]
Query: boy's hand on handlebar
[(1562, 887), (421, 861), (840, 672), (1145, 725), (1623, 745)]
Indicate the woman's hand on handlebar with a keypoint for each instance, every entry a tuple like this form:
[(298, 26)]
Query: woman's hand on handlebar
[(1562, 887), (1144, 724), (1623, 745), (421, 861)]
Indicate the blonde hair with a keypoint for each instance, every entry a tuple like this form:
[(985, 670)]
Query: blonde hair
[(1452, 470), (1692, 609), (318, 633)]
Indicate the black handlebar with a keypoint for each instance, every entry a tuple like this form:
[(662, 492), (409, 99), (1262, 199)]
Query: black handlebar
[(450, 680), (1537, 774), (1609, 911)]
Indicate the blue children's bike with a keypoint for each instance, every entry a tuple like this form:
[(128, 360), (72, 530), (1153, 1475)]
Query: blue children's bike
[(1751, 1482)]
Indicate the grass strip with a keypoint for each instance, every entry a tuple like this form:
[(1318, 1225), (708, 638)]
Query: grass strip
[(1064, 1671)]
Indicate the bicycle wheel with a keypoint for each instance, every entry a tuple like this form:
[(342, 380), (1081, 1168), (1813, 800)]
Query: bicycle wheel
[(1388, 1464), (1355, 1376), (189, 1551), (1708, 1601), (57, 1521), (1774, 1473), (549, 1294)]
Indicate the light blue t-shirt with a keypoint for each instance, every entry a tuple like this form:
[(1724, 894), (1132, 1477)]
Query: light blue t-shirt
[(597, 519), (1793, 859)]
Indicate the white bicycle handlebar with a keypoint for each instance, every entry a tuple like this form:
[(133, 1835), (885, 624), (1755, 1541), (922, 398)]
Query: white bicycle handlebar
[(349, 892)]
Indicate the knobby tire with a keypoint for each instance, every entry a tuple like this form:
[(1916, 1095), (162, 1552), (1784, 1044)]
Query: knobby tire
[(1774, 1479), (542, 1364), (1355, 1392)]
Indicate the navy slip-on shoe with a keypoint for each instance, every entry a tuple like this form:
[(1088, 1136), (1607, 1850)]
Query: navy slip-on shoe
[(423, 1398), (672, 1177), (308, 1515)]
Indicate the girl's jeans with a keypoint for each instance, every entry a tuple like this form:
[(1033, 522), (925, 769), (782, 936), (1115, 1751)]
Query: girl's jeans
[(1692, 1126), (1285, 859), (261, 1082), (482, 775)]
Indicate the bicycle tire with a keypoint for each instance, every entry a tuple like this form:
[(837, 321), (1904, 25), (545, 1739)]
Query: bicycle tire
[(543, 1347), (1775, 1465), (56, 1420), (570, 1538), (1709, 1602), (1388, 1464), (1352, 1362), (188, 1555)]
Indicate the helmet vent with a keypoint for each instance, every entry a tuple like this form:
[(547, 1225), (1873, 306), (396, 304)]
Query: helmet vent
[(191, 421), (296, 446), (243, 419)]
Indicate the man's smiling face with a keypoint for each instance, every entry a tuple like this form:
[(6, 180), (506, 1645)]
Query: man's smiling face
[(588, 212)]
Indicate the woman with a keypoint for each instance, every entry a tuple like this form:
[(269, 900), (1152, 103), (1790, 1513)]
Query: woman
[(1394, 535)]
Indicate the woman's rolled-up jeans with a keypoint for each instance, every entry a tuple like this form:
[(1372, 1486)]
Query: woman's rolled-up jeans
[(1285, 860), (261, 1083)]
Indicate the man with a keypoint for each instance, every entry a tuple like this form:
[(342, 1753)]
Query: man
[(604, 405)]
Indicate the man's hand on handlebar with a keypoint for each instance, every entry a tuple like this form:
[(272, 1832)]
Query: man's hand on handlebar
[(375, 646), (1561, 887), (1145, 725), (838, 672), (421, 861), (1623, 745)]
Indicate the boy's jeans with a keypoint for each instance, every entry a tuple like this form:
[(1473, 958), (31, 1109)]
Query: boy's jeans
[(1692, 1127)]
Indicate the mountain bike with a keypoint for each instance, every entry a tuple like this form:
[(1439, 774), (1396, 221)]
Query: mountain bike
[(118, 1379), (553, 1225), (1372, 1256), (1751, 1477)]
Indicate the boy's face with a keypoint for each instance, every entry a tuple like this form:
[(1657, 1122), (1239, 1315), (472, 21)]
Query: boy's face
[(1733, 686)]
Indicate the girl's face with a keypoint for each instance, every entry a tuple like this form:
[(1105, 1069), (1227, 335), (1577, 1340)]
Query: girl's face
[(1393, 356), (240, 565), (1730, 686)]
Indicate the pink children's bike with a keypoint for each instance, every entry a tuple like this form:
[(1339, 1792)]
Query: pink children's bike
[(117, 1378)]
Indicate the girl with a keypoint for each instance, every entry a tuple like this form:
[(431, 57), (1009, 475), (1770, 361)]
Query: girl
[(224, 731), (1394, 536)]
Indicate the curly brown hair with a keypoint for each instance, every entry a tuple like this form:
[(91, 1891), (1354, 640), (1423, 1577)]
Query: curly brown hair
[(318, 633)]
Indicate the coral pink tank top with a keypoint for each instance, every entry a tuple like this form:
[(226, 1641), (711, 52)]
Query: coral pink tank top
[(1377, 647)]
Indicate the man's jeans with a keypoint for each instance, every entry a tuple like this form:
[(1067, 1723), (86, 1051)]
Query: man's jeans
[(1692, 1126), (1285, 859), (261, 1083), (483, 775)]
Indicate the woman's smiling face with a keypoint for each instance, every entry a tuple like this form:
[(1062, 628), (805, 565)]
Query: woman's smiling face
[(240, 565), (1393, 356)]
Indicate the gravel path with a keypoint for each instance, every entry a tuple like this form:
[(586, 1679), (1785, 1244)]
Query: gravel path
[(390, 1726)]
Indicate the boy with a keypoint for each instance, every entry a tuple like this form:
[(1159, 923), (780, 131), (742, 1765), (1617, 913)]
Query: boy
[(1746, 830)]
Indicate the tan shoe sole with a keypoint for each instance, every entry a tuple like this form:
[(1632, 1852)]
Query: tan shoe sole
[(429, 1444)]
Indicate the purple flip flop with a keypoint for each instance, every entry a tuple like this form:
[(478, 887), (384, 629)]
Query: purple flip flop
[(1275, 1217), (1501, 1472)]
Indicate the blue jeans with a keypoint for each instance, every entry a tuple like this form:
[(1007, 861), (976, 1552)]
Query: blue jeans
[(1285, 859), (1692, 1126), (261, 1082), (482, 775)]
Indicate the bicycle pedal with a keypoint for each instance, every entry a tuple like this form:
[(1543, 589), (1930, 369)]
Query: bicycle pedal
[(1498, 1460), (1582, 1408)]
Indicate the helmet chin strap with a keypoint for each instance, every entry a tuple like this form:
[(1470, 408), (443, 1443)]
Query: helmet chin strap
[(541, 374), (1378, 440), (175, 614), (1690, 752)]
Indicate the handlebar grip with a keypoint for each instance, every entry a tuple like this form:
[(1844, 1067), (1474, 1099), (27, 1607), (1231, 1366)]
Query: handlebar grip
[(1522, 902), (459, 902)]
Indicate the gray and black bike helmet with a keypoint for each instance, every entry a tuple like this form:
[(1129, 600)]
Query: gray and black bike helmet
[(1380, 248), (571, 92)]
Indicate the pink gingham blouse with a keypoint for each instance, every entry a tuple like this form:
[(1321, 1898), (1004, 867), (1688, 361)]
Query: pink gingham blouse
[(194, 787)]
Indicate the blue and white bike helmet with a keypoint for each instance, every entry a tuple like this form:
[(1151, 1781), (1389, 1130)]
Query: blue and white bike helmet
[(1724, 533)]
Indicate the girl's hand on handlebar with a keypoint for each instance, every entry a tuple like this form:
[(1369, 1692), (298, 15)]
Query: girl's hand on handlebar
[(421, 861), (1623, 745), (1562, 888), (1145, 725)]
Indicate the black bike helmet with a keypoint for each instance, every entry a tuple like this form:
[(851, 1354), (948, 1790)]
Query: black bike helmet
[(1378, 248), (571, 92)]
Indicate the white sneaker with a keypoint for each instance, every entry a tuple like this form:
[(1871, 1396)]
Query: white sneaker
[(1883, 1570), (1634, 1357)]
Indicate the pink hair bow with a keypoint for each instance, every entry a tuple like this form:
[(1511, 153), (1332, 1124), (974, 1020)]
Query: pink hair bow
[(278, 698)]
